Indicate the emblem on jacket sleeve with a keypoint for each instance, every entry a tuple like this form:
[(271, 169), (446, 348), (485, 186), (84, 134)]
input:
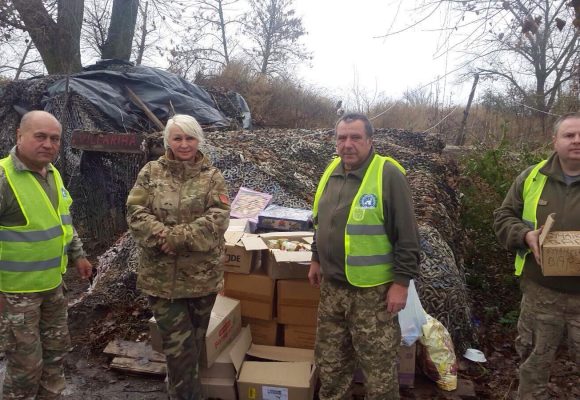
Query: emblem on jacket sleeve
[(368, 201)]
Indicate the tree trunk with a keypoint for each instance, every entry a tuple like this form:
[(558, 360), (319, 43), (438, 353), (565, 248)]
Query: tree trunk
[(57, 42), (121, 30), (460, 139), (143, 40), (23, 60), (223, 29)]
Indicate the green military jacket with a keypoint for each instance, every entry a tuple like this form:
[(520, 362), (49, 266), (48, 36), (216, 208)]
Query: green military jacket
[(400, 223), (557, 197), (186, 202)]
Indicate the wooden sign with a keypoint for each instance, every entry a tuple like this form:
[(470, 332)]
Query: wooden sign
[(107, 141)]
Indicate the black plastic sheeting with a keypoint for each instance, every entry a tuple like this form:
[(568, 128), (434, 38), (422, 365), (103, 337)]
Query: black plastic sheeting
[(105, 89)]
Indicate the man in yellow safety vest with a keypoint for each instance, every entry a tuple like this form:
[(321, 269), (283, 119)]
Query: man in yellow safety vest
[(365, 251), (550, 305), (36, 238)]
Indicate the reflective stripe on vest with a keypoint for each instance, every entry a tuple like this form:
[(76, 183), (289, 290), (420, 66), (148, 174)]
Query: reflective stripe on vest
[(532, 191), (33, 256), (368, 251)]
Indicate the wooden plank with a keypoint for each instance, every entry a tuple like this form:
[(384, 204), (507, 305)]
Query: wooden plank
[(135, 350), (139, 366), (107, 141), (137, 100)]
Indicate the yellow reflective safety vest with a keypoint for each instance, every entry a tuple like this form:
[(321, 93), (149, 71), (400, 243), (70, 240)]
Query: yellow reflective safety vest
[(533, 187), (368, 250), (33, 257)]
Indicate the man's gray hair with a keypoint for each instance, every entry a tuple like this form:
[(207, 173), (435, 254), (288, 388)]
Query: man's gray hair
[(351, 117), (188, 125), (558, 122)]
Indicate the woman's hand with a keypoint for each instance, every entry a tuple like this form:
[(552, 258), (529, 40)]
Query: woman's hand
[(164, 246)]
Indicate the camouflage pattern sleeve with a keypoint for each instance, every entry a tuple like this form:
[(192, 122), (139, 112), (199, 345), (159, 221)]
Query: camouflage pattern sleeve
[(206, 232), (143, 224)]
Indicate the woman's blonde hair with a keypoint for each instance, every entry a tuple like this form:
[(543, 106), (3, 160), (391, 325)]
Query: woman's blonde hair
[(188, 125)]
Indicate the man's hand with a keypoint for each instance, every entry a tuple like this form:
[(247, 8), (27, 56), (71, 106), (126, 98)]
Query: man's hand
[(396, 298), (84, 267), (314, 274), (532, 240)]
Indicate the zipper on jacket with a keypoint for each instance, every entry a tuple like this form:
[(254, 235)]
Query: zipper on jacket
[(174, 280)]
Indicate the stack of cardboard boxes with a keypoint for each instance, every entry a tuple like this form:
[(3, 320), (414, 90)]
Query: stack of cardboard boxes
[(272, 355)]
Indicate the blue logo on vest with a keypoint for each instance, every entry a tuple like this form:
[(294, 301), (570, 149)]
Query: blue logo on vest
[(368, 201), (64, 193)]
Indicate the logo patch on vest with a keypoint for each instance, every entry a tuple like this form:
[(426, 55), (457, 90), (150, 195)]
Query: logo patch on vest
[(368, 201), (64, 193)]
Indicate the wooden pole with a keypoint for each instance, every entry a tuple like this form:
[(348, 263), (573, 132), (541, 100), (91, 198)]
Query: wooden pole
[(145, 109), (460, 138)]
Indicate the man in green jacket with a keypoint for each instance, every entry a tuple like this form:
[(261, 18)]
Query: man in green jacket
[(550, 305), (365, 251), (36, 237)]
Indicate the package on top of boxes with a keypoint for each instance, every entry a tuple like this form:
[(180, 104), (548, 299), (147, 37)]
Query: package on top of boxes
[(281, 218)]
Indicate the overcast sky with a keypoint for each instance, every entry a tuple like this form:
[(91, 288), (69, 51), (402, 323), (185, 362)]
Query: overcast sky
[(342, 37)]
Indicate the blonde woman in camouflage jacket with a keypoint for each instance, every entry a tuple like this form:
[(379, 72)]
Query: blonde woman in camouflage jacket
[(178, 212)]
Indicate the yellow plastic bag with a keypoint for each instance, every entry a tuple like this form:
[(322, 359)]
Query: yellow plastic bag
[(437, 355)]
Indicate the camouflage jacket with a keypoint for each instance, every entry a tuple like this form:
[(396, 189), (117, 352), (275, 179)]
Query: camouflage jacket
[(186, 202)]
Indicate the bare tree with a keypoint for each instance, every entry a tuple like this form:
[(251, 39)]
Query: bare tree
[(275, 32), (527, 44), (18, 57), (121, 30), (53, 26), (214, 18), (96, 25)]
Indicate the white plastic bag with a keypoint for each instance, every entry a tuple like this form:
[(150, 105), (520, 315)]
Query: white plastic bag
[(412, 317)]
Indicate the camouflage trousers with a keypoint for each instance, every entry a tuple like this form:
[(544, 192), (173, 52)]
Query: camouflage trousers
[(355, 330), (182, 324), (545, 316), (37, 340)]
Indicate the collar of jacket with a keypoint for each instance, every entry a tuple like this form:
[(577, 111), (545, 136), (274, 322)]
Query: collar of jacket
[(189, 168), (359, 172), (553, 169)]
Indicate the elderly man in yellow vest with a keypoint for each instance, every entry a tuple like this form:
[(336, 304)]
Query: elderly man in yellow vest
[(36, 237), (365, 251), (550, 305)]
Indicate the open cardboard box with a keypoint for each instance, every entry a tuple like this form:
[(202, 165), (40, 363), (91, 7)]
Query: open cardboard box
[(559, 250), (243, 249), (281, 264), (269, 372)]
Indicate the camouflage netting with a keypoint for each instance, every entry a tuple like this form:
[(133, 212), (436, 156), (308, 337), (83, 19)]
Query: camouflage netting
[(284, 163), (287, 164)]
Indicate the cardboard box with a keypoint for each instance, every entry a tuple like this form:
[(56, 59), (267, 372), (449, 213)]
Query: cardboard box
[(243, 250), (407, 356), (255, 292), (559, 250), (222, 367), (225, 324), (281, 264), (281, 373), (302, 337), (263, 332), (219, 388), (297, 302)]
